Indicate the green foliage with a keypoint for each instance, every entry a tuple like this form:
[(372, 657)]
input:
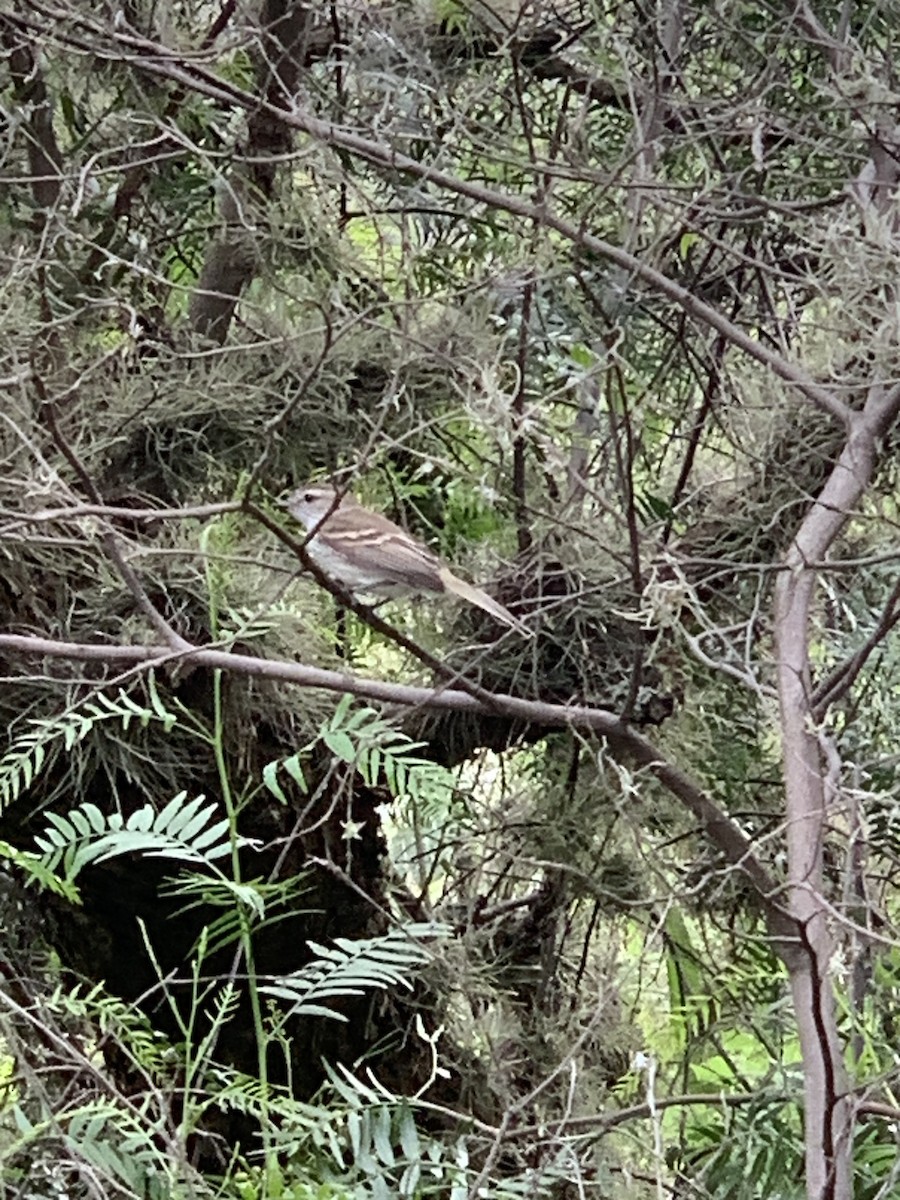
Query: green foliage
[(377, 1149), (742, 1153), (126, 1025), (108, 1138), (34, 751), (36, 870), (632, 474), (118, 1148), (351, 968), (370, 743), (183, 830), (263, 902)]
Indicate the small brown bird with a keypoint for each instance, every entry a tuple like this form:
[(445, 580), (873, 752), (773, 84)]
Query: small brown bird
[(367, 553)]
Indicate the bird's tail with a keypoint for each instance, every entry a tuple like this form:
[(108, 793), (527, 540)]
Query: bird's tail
[(474, 595)]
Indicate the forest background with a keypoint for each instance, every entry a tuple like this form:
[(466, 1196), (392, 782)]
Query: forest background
[(302, 899)]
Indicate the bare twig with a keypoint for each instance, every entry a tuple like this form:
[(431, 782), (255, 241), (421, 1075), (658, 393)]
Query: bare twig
[(842, 678), (108, 538)]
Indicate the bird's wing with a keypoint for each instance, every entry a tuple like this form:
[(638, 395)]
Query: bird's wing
[(403, 556), (391, 547)]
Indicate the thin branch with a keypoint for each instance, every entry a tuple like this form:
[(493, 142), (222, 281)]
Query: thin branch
[(599, 1123), (842, 678), (520, 445), (364, 611), (35, 114), (108, 538), (281, 418), (112, 511), (828, 1117)]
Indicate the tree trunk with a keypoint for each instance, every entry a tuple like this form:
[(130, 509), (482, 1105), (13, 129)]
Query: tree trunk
[(231, 259), (828, 1127)]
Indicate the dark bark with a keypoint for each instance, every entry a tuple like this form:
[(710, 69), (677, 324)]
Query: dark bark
[(230, 263), (30, 91)]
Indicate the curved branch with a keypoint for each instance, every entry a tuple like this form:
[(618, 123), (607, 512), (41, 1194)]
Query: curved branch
[(231, 259), (828, 1115), (842, 678), (35, 113)]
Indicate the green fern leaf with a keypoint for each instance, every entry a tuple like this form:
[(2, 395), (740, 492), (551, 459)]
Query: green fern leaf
[(293, 767), (36, 871), (351, 968), (180, 831), (44, 739), (270, 779)]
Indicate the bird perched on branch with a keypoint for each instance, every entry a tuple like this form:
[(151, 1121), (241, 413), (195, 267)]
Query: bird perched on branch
[(371, 555)]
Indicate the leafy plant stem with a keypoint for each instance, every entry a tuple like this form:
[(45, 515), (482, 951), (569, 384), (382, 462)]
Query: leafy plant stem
[(246, 939)]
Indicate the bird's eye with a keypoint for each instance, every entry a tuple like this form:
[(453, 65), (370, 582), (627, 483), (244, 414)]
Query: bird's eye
[(309, 497)]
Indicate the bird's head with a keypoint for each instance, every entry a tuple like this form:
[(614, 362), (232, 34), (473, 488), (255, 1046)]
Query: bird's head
[(312, 503)]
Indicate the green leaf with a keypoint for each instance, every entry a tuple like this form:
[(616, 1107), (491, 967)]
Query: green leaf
[(381, 1136), (351, 967), (141, 820), (340, 744), (184, 814), (687, 241), (293, 767), (408, 1134), (270, 780), (184, 829)]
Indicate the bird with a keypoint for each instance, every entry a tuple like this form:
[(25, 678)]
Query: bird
[(370, 555)]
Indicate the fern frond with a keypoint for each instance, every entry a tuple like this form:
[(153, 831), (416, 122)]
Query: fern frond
[(353, 967), (266, 901), (182, 830), (293, 765), (36, 871), (115, 1018), (367, 741), (230, 1089), (120, 1148), (225, 1003), (44, 739)]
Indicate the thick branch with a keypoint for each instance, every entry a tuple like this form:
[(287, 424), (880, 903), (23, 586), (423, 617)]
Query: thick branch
[(726, 835), (35, 112), (828, 1132)]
